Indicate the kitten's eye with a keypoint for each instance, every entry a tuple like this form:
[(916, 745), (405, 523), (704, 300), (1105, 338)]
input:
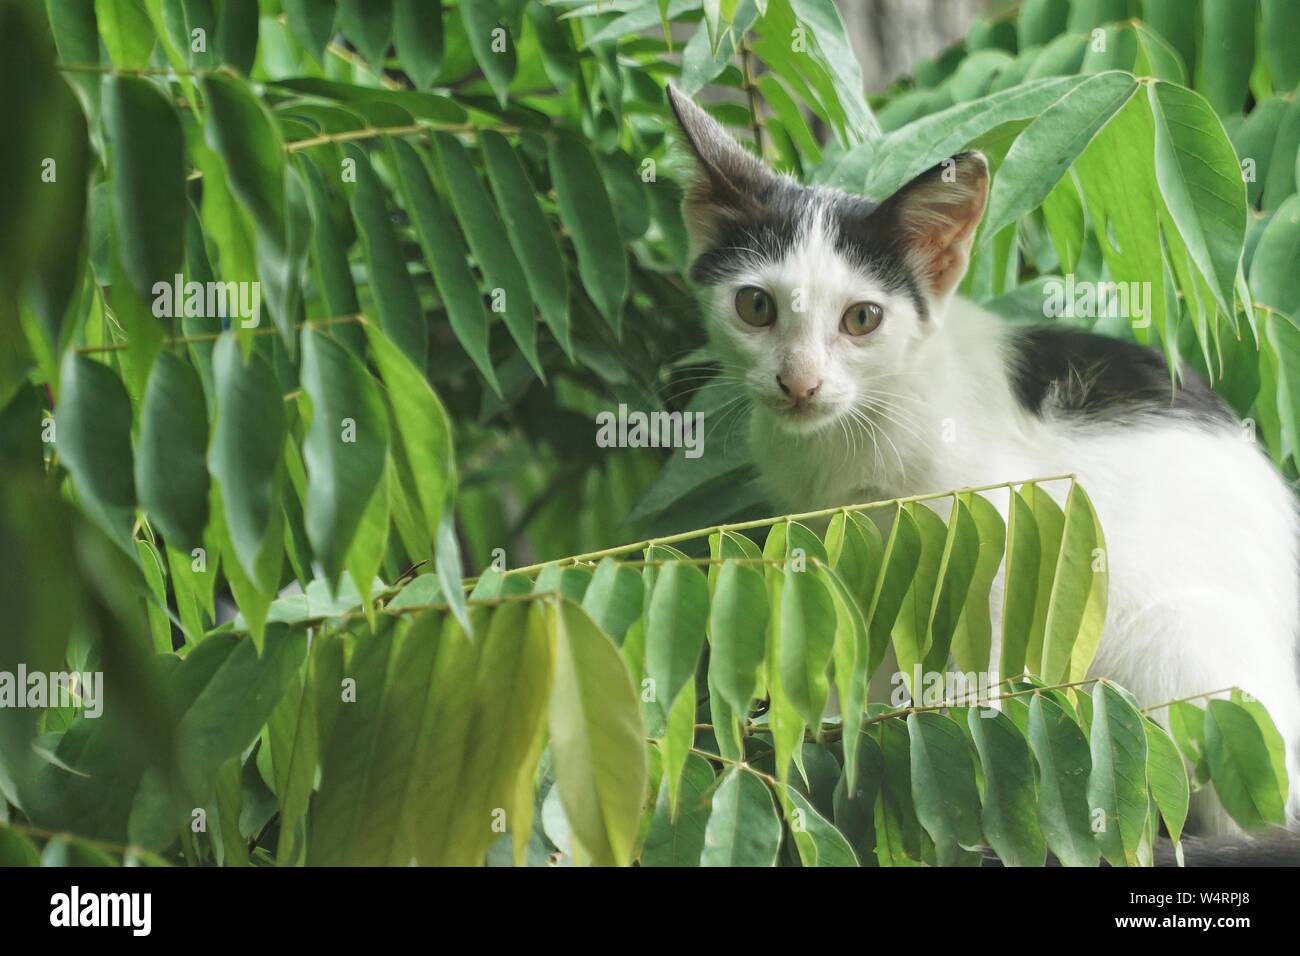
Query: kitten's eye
[(755, 307), (862, 318)]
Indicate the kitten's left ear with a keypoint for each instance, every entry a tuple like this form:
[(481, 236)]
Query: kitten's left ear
[(935, 217)]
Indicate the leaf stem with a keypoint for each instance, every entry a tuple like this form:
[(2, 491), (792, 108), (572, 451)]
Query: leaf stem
[(1184, 700), (751, 90), (213, 336), (593, 556)]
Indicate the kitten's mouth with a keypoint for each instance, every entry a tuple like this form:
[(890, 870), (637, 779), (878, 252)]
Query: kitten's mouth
[(803, 417)]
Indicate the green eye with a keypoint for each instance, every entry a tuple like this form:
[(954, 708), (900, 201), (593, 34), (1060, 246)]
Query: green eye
[(755, 307), (862, 318)]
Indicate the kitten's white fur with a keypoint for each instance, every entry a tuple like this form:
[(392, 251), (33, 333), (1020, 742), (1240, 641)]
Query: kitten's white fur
[(1201, 532)]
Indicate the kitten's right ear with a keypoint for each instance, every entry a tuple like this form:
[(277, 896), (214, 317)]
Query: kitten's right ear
[(729, 180)]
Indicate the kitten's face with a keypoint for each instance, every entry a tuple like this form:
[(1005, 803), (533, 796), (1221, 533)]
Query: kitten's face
[(816, 326), (814, 297)]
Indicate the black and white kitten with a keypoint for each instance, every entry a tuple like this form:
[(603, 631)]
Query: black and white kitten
[(870, 379)]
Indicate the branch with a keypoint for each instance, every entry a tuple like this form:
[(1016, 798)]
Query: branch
[(751, 90), (593, 556)]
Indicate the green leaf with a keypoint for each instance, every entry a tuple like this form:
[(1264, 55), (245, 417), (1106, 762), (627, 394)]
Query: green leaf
[(1117, 785), (350, 822), (1020, 589), (1240, 766), (293, 737), (737, 630), (676, 618), (502, 273), (312, 24), (943, 785), (918, 146), (1272, 280), (243, 133), (1050, 521), (807, 633), (400, 315), (1281, 22), (836, 54), (530, 233), (1273, 739), (94, 442), (1040, 21), (1064, 764), (1115, 174), (344, 450), (329, 249), (56, 278), (223, 691), (445, 255), (589, 219), (901, 557), (237, 30), (1227, 53), (248, 140), (127, 33), (597, 739), (912, 631), (555, 42), (491, 43), (956, 569), (1010, 815), (854, 801), (368, 24), (613, 598), (1201, 183), (678, 841), (815, 838), (16, 849), (743, 827), (147, 176), (1076, 604), (973, 639), (449, 565), (503, 745), (434, 679), (422, 426), (366, 554), (171, 470), (1167, 777), (677, 739), (151, 566), (246, 458), (417, 31), (1049, 145)]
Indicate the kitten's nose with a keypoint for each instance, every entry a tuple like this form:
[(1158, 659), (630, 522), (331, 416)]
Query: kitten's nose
[(799, 388)]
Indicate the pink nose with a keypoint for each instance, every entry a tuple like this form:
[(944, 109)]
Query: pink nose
[(799, 388)]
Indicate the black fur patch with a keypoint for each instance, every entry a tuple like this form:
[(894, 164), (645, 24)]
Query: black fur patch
[(870, 238), (1072, 372), (767, 229)]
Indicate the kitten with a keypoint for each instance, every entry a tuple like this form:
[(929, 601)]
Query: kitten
[(870, 379)]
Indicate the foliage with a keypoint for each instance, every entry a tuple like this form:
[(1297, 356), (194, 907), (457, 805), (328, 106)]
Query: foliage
[(463, 222)]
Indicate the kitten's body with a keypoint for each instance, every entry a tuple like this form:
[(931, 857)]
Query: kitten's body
[(1201, 532), (1201, 537)]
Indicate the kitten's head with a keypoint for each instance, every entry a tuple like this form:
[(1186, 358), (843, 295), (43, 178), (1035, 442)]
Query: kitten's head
[(814, 295)]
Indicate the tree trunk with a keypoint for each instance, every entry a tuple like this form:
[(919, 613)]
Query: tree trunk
[(889, 36)]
